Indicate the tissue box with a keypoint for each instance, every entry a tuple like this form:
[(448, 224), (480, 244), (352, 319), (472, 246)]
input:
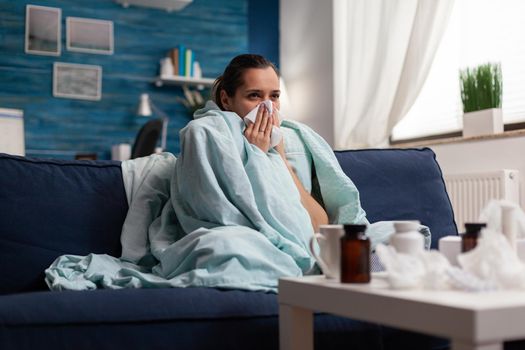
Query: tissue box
[(450, 247)]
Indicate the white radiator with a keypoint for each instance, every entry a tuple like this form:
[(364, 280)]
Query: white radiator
[(469, 193)]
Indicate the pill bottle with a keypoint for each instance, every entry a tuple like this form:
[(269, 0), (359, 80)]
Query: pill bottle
[(355, 255)]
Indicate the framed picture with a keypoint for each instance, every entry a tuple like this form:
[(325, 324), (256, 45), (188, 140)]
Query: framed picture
[(89, 35), (80, 81), (12, 136), (43, 30)]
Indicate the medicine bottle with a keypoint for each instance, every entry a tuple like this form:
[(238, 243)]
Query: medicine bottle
[(469, 239), (407, 239), (355, 255)]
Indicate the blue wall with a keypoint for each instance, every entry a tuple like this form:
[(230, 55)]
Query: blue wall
[(56, 127), (263, 28)]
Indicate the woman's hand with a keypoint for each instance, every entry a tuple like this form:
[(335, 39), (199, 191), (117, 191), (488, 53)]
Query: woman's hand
[(259, 133)]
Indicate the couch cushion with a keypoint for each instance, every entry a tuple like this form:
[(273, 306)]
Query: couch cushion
[(401, 184), (133, 305), (54, 207), (174, 318)]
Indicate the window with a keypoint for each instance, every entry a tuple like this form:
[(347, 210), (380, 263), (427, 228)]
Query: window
[(479, 31)]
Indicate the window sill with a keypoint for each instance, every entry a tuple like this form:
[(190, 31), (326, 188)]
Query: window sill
[(455, 139)]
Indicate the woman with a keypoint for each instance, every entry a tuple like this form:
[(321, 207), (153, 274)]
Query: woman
[(248, 81), (230, 211)]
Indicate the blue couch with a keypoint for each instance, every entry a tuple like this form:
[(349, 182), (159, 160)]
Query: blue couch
[(53, 207)]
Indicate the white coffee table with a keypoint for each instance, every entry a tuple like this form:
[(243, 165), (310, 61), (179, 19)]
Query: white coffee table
[(480, 321)]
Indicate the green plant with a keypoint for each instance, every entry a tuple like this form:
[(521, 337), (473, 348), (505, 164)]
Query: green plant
[(481, 87), (193, 100)]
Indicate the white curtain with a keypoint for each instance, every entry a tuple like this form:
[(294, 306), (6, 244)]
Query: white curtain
[(384, 50)]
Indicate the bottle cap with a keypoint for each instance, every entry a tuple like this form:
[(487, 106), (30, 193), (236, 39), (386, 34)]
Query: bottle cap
[(353, 228), (406, 226), (474, 227)]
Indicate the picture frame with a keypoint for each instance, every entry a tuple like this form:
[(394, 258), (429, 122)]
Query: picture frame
[(77, 81), (89, 35), (12, 134), (43, 30)]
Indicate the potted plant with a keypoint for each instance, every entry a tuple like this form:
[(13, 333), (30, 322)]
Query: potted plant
[(193, 100), (481, 91)]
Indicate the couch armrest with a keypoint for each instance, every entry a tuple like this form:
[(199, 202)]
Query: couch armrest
[(401, 184), (54, 207)]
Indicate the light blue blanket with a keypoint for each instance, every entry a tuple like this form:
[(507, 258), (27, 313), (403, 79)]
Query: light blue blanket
[(224, 214)]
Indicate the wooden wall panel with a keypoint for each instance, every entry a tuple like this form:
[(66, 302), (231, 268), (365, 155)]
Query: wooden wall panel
[(60, 128)]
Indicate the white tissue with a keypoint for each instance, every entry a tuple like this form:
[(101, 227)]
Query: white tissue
[(436, 268), (494, 260), (463, 280), (276, 135), (404, 271), (493, 265), (424, 270), (505, 217), (429, 270)]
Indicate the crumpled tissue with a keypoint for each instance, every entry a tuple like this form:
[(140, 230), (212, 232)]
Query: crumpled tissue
[(425, 270), (276, 135), (493, 265), (495, 259)]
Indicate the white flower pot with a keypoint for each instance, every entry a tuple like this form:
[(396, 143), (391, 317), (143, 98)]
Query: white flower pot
[(484, 122)]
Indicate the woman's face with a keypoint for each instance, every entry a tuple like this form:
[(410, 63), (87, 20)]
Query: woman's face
[(259, 85)]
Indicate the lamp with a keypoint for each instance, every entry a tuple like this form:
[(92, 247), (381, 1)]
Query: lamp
[(146, 109)]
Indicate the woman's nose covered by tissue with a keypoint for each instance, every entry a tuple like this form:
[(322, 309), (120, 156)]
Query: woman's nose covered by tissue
[(276, 135)]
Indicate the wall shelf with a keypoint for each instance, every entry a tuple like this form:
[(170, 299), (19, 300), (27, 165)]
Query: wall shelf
[(178, 80), (168, 5)]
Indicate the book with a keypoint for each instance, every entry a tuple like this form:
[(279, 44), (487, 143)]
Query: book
[(184, 63), (182, 59), (188, 63), (174, 54), (197, 72)]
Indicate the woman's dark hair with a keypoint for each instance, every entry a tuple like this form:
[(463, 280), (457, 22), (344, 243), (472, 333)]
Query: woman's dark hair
[(232, 77)]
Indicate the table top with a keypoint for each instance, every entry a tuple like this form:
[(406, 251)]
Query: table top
[(449, 313), (450, 298)]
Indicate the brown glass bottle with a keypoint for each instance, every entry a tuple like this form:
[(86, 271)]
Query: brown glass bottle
[(469, 240), (355, 255)]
